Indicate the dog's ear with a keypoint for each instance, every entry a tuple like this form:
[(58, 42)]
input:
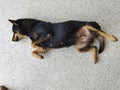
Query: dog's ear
[(13, 22)]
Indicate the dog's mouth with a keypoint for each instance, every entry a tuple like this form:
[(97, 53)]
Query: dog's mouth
[(17, 36)]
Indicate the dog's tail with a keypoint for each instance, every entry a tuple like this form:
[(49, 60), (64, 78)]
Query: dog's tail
[(101, 43)]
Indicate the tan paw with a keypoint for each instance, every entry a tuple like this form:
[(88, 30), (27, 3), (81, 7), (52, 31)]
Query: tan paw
[(114, 39), (37, 55), (41, 57), (95, 59)]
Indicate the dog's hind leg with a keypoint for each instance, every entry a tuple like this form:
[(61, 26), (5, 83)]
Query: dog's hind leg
[(101, 32), (94, 49), (95, 53)]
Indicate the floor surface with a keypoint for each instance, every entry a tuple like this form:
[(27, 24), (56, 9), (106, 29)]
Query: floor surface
[(62, 69)]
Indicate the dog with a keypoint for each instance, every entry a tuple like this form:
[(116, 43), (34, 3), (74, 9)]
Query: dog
[(47, 35)]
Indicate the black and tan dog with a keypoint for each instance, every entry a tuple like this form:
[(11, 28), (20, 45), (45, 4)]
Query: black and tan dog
[(47, 35)]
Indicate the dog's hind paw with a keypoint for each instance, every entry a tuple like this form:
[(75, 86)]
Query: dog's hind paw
[(114, 39), (41, 57)]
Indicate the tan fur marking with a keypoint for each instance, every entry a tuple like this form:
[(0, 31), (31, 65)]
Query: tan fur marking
[(92, 49), (95, 54), (39, 50), (14, 38), (34, 45), (37, 55), (14, 23), (17, 34)]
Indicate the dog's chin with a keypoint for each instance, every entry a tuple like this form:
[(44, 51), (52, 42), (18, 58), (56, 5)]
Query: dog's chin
[(16, 40)]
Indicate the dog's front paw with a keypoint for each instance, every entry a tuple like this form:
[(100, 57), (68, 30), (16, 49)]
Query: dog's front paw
[(35, 54)]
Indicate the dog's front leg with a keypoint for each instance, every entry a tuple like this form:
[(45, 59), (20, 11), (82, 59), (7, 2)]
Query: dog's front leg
[(37, 51), (34, 45), (40, 50)]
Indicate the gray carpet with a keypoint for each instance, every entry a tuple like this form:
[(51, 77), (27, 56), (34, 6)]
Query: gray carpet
[(62, 69)]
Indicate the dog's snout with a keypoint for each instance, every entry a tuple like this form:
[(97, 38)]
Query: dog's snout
[(15, 38)]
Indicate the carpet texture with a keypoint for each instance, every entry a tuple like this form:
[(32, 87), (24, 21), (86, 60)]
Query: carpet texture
[(66, 68)]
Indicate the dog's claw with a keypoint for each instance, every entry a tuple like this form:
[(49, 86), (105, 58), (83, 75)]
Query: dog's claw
[(42, 57), (114, 39)]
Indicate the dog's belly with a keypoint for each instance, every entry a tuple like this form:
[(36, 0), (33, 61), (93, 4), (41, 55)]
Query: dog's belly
[(60, 38), (56, 42)]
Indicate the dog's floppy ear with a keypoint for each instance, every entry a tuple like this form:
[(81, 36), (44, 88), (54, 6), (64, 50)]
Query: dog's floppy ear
[(13, 22)]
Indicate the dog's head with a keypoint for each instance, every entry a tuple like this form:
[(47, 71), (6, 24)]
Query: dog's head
[(17, 31)]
